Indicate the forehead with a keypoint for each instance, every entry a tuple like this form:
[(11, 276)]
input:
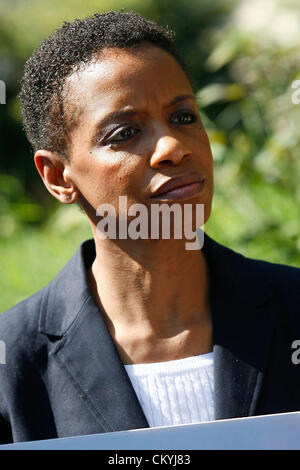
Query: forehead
[(121, 77)]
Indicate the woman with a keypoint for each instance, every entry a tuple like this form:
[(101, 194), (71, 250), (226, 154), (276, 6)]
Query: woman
[(137, 331)]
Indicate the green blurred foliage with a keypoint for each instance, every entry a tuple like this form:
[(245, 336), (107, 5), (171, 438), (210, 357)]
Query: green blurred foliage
[(255, 138), (244, 57)]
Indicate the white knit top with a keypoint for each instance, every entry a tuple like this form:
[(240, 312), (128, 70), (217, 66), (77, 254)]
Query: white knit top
[(175, 392)]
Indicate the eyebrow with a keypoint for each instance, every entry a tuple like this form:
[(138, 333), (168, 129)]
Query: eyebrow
[(115, 115), (179, 98)]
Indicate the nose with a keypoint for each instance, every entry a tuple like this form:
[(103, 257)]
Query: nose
[(168, 149)]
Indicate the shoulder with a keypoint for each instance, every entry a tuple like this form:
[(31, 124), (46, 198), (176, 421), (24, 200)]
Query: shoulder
[(23, 318), (51, 310), (21, 323), (232, 263), (278, 272), (283, 277), (19, 335), (281, 285), (285, 284), (22, 348), (255, 280)]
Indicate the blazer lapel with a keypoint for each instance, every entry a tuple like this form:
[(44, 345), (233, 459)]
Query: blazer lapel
[(86, 352), (242, 329), (89, 356)]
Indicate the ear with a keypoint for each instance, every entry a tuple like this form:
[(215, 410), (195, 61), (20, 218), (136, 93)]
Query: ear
[(54, 173)]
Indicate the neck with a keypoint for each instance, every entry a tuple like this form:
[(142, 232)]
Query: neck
[(155, 293)]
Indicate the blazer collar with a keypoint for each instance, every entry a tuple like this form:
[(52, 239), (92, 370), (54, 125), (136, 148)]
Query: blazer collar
[(67, 292), (231, 275), (243, 317), (242, 332), (85, 350)]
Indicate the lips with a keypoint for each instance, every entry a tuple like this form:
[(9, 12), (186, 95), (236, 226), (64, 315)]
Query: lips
[(185, 182)]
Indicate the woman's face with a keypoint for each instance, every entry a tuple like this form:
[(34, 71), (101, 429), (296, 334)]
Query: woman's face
[(138, 126)]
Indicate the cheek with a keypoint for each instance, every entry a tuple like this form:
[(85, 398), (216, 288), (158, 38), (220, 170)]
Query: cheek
[(103, 178)]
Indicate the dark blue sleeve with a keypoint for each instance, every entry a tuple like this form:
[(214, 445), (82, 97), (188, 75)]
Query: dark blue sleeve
[(5, 431)]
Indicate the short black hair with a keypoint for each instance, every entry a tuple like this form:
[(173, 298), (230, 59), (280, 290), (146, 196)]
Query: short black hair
[(45, 120)]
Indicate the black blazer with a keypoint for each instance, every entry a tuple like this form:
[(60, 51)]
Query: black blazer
[(63, 375)]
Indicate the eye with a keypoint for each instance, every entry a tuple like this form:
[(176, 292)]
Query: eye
[(184, 118), (122, 135)]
